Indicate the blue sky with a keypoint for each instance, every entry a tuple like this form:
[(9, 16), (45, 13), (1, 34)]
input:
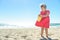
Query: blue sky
[(24, 12)]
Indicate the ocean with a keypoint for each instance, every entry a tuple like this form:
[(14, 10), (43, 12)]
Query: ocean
[(55, 24), (16, 26)]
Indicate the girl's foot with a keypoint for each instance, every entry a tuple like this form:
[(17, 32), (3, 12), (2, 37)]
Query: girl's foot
[(42, 37), (47, 37)]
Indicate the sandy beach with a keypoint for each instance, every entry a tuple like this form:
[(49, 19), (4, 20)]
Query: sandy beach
[(28, 34)]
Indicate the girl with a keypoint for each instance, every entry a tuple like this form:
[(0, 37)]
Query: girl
[(45, 21)]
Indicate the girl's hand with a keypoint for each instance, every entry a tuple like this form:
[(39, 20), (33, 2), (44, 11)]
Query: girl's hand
[(42, 15)]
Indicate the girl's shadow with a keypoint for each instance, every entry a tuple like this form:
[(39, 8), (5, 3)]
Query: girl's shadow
[(43, 38)]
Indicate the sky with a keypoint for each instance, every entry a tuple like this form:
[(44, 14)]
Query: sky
[(25, 12)]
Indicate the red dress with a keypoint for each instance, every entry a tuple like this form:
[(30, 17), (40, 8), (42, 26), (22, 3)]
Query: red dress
[(44, 23)]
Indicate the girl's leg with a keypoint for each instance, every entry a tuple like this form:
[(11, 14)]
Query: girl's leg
[(46, 31), (42, 30)]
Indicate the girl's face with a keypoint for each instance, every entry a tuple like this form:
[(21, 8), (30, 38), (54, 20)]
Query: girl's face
[(43, 9)]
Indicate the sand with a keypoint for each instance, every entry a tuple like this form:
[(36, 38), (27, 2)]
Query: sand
[(28, 34)]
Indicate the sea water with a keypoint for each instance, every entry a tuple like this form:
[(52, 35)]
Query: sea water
[(17, 26), (55, 24)]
